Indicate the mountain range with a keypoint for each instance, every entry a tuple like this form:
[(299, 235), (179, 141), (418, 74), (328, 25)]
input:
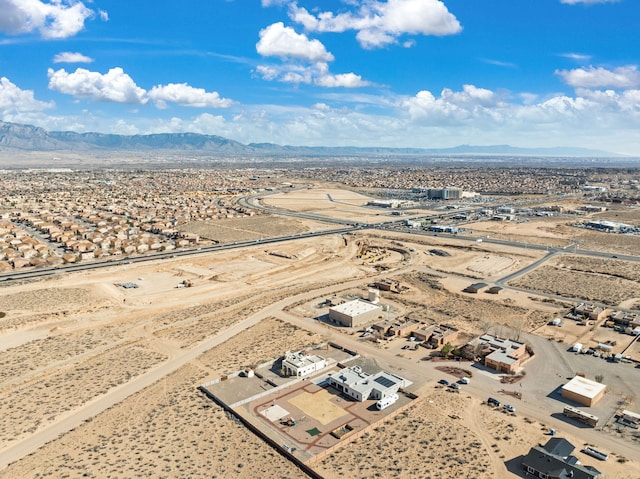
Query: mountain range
[(30, 138)]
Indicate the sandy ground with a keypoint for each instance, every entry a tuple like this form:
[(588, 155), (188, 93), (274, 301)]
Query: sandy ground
[(71, 339), (459, 436), (612, 282), (335, 203)]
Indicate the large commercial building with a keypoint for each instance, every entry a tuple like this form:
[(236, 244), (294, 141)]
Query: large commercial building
[(444, 193), (357, 384), (354, 313), (583, 391)]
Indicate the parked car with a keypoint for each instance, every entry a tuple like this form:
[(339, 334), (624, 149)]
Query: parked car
[(444, 382), (454, 386), (464, 380), (509, 408), (493, 402)]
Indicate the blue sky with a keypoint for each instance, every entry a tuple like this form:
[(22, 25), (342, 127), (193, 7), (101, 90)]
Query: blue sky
[(396, 73)]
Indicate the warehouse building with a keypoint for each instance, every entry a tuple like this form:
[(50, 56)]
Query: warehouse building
[(583, 391), (354, 313)]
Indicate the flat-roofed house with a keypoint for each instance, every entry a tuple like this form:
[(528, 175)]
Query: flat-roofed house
[(301, 365), (360, 386)]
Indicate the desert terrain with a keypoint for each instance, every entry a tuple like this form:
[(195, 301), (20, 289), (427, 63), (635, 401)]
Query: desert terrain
[(109, 375)]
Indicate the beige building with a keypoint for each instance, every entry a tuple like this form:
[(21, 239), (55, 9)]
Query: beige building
[(354, 313), (583, 391)]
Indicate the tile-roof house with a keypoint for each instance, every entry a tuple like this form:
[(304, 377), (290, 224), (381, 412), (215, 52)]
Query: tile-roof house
[(554, 461)]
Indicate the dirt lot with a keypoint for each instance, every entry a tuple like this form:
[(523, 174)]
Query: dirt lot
[(612, 282), (245, 229), (334, 203)]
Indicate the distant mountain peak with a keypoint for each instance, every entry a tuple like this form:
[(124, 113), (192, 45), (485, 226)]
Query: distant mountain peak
[(14, 136)]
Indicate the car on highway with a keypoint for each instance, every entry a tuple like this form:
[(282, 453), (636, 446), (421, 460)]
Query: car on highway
[(509, 408)]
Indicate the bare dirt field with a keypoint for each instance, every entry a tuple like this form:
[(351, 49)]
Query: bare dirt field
[(245, 229), (333, 203), (607, 281), (559, 232)]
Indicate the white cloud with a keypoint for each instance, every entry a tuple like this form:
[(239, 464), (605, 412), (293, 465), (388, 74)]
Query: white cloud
[(295, 49), (621, 77), (317, 74), (499, 63), (186, 95), (72, 57), (587, 2), (53, 19), (380, 23), (114, 86), (14, 100), (345, 80), (576, 56), (280, 41), (104, 16)]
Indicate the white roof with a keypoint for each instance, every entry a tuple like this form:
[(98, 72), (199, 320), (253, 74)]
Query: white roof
[(584, 387), (355, 307)]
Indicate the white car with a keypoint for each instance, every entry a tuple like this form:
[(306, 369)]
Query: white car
[(509, 408)]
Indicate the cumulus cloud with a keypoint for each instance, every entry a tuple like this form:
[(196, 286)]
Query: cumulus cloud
[(186, 95), (306, 60), (591, 77), (52, 19), (381, 23), (345, 80), (118, 87), (316, 74), (280, 41), (72, 57), (15, 100), (114, 86)]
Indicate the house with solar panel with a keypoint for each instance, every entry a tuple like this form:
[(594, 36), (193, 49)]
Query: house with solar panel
[(360, 386)]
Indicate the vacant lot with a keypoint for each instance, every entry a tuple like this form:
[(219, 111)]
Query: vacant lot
[(245, 229), (609, 282)]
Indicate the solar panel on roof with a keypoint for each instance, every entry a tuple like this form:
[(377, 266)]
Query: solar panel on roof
[(384, 381)]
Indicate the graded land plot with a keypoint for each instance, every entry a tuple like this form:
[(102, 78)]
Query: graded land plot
[(590, 280), (31, 304), (470, 259), (246, 229), (553, 232), (333, 203)]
